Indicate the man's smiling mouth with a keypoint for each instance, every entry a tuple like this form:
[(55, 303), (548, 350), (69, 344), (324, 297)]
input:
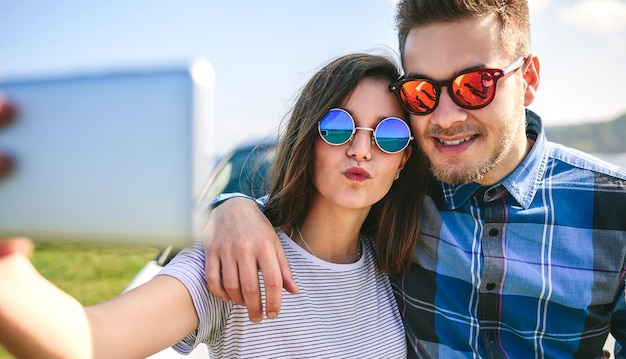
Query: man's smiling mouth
[(455, 142)]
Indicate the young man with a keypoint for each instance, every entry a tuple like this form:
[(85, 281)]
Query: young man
[(526, 256)]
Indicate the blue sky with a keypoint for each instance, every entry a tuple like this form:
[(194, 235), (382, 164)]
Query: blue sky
[(264, 51)]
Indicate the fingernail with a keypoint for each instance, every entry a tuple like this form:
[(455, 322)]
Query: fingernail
[(6, 165), (7, 113), (272, 315)]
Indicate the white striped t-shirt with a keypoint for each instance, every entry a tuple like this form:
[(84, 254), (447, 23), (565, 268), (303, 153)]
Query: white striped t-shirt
[(341, 311)]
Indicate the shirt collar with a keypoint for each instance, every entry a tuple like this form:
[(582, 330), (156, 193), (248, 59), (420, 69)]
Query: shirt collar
[(522, 183)]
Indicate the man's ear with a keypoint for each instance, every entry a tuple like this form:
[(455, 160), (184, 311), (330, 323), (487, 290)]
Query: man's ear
[(531, 77)]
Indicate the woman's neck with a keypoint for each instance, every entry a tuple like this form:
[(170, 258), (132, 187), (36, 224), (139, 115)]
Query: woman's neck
[(331, 234)]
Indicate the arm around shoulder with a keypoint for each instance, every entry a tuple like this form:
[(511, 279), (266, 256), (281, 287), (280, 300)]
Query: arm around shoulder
[(239, 240)]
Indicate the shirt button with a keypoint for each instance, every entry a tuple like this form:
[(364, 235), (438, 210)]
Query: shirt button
[(491, 286), (493, 232), (491, 336)]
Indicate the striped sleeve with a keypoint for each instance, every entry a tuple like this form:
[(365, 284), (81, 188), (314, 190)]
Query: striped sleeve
[(188, 267)]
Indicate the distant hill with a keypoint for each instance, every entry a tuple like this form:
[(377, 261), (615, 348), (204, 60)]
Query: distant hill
[(603, 137)]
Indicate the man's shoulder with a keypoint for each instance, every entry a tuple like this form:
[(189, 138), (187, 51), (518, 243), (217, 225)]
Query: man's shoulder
[(571, 159)]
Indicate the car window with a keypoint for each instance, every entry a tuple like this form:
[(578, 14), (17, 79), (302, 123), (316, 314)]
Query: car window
[(243, 170)]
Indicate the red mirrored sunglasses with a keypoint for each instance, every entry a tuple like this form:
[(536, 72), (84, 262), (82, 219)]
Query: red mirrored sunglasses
[(470, 90)]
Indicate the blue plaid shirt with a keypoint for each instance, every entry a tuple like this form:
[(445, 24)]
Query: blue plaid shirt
[(531, 267)]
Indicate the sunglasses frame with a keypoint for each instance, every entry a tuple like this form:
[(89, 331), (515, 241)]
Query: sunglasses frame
[(373, 130), (496, 74)]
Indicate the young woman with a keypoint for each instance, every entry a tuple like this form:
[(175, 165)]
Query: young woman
[(343, 147)]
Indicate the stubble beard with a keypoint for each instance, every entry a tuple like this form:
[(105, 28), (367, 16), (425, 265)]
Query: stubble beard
[(468, 172)]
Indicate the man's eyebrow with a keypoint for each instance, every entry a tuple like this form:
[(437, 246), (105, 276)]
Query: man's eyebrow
[(414, 75), (417, 75)]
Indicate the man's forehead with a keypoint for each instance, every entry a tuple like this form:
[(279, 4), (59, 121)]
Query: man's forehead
[(441, 49)]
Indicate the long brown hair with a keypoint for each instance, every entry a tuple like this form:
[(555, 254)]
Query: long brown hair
[(395, 219)]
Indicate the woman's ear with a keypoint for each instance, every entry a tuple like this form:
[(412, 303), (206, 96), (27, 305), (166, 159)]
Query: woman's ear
[(407, 154), (531, 77)]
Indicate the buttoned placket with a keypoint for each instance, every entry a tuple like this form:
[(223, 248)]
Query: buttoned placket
[(493, 203)]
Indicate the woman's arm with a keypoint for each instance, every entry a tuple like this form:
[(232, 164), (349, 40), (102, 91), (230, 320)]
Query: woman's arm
[(37, 319)]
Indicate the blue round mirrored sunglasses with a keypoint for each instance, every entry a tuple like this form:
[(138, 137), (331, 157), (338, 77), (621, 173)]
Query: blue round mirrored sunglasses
[(391, 135)]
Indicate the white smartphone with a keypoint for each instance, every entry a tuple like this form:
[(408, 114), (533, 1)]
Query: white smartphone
[(116, 156)]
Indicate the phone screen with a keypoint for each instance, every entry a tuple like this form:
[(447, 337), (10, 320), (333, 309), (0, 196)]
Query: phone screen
[(111, 157)]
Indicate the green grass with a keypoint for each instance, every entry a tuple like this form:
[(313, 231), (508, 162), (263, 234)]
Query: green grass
[(90, 273)]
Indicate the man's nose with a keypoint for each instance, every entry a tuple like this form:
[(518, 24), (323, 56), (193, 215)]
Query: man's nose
[(447, 112)]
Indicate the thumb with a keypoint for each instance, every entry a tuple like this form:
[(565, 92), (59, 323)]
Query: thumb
[(9, 246)]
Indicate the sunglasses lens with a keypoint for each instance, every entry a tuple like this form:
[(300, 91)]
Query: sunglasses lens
[(392, 135), (418, 96), (474, 89), (336, 127)]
